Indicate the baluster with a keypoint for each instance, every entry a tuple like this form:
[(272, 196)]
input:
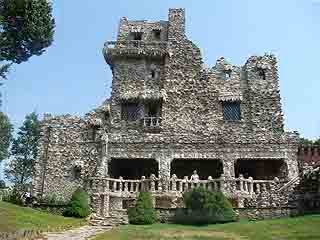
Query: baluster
[(131, 186), (126, 186), (181, 186), (143, 184), (241, 182), (209, 183), (120, 184), (174, 184), (215, 186), (160, 184), (137, 186), (250, 185), (245, 185), (257, 188)]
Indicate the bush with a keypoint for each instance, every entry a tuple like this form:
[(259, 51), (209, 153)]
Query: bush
[(204, 207), (53, 199), (78, 206), (13, 197), (143, 212), (2, 184)]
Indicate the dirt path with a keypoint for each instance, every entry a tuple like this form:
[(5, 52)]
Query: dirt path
[(82, 233)]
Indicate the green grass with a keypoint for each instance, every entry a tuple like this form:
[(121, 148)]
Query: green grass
[(299, 228), (13, 218)]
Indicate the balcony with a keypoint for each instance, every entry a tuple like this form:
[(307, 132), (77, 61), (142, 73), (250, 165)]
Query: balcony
[(134, 48), (152, 123)]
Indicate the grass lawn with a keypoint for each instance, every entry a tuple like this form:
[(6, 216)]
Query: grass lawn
[(299, 228), (13, 218)]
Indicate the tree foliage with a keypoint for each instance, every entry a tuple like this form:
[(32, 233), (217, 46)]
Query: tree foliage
[(24, 151), (5, 136), (305, 141), (26, 29)]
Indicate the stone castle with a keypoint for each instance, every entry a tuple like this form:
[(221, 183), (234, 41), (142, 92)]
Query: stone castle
[(167, 116)]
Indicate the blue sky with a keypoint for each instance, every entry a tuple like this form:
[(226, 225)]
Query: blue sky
[(72, 77)]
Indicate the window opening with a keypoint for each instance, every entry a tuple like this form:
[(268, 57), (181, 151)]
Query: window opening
[(231, 111), (262, 74), (130, 111), (227, 74), (157, 34), (136, 36)]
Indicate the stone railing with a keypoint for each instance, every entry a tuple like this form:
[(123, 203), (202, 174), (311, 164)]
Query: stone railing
[(152, 122), (4, 193), (230, 186), (135, 44)]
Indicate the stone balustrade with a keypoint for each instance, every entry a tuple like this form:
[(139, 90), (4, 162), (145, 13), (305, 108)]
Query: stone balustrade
[(230, 186)]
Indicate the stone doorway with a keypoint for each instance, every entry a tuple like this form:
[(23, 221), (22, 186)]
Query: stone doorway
[(133, 168), (204, 167)]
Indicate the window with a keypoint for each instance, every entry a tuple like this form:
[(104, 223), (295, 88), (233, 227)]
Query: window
[(76, 172), (227, 74), (262, 73), (152, 74), (130, 111), (136, 36), (156, 34), (231, 111)]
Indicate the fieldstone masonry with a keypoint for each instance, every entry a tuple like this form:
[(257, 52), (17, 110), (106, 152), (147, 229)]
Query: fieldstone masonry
[(166, 106)]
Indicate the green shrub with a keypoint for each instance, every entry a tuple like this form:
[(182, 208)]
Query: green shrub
[(78, 206), (53, 199), (143, 212), (2, 184), (204, 207), (13, 197)]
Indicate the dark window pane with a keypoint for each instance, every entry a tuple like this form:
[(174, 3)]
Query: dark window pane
[(231, 111), (130, 111)]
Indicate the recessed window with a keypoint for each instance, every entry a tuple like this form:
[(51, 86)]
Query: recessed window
[(156, 34), (130, 111), (136, 36), (227, 75), (262, 73), (76, 172), (231, 111), (152, 74)]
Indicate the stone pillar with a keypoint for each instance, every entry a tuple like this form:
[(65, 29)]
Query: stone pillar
[(103, 168), (164, 167), (106, 203), (292, 163), (228, 167)]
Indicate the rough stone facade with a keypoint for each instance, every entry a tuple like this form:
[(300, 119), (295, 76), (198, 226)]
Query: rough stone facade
[(167, 116)]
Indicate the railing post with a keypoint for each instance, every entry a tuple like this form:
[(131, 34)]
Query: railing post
[(174, 183), (114, 186), (143, 184), (241, 182), (126, 186), (209, 187), (257, 188), (250, 185), (152, 183), (120, 183)]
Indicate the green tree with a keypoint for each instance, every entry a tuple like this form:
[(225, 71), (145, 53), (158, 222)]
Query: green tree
[(24, 151), (26, 29), (5, 136)]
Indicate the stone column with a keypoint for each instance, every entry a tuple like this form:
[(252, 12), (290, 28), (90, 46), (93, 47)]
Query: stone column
[(164, 167), (292, 163), (103, 168), (228, 167)]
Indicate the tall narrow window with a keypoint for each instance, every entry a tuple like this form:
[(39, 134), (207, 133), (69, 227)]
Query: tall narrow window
[(130, 111), (227, 75), (231, 111), (262, 73)]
